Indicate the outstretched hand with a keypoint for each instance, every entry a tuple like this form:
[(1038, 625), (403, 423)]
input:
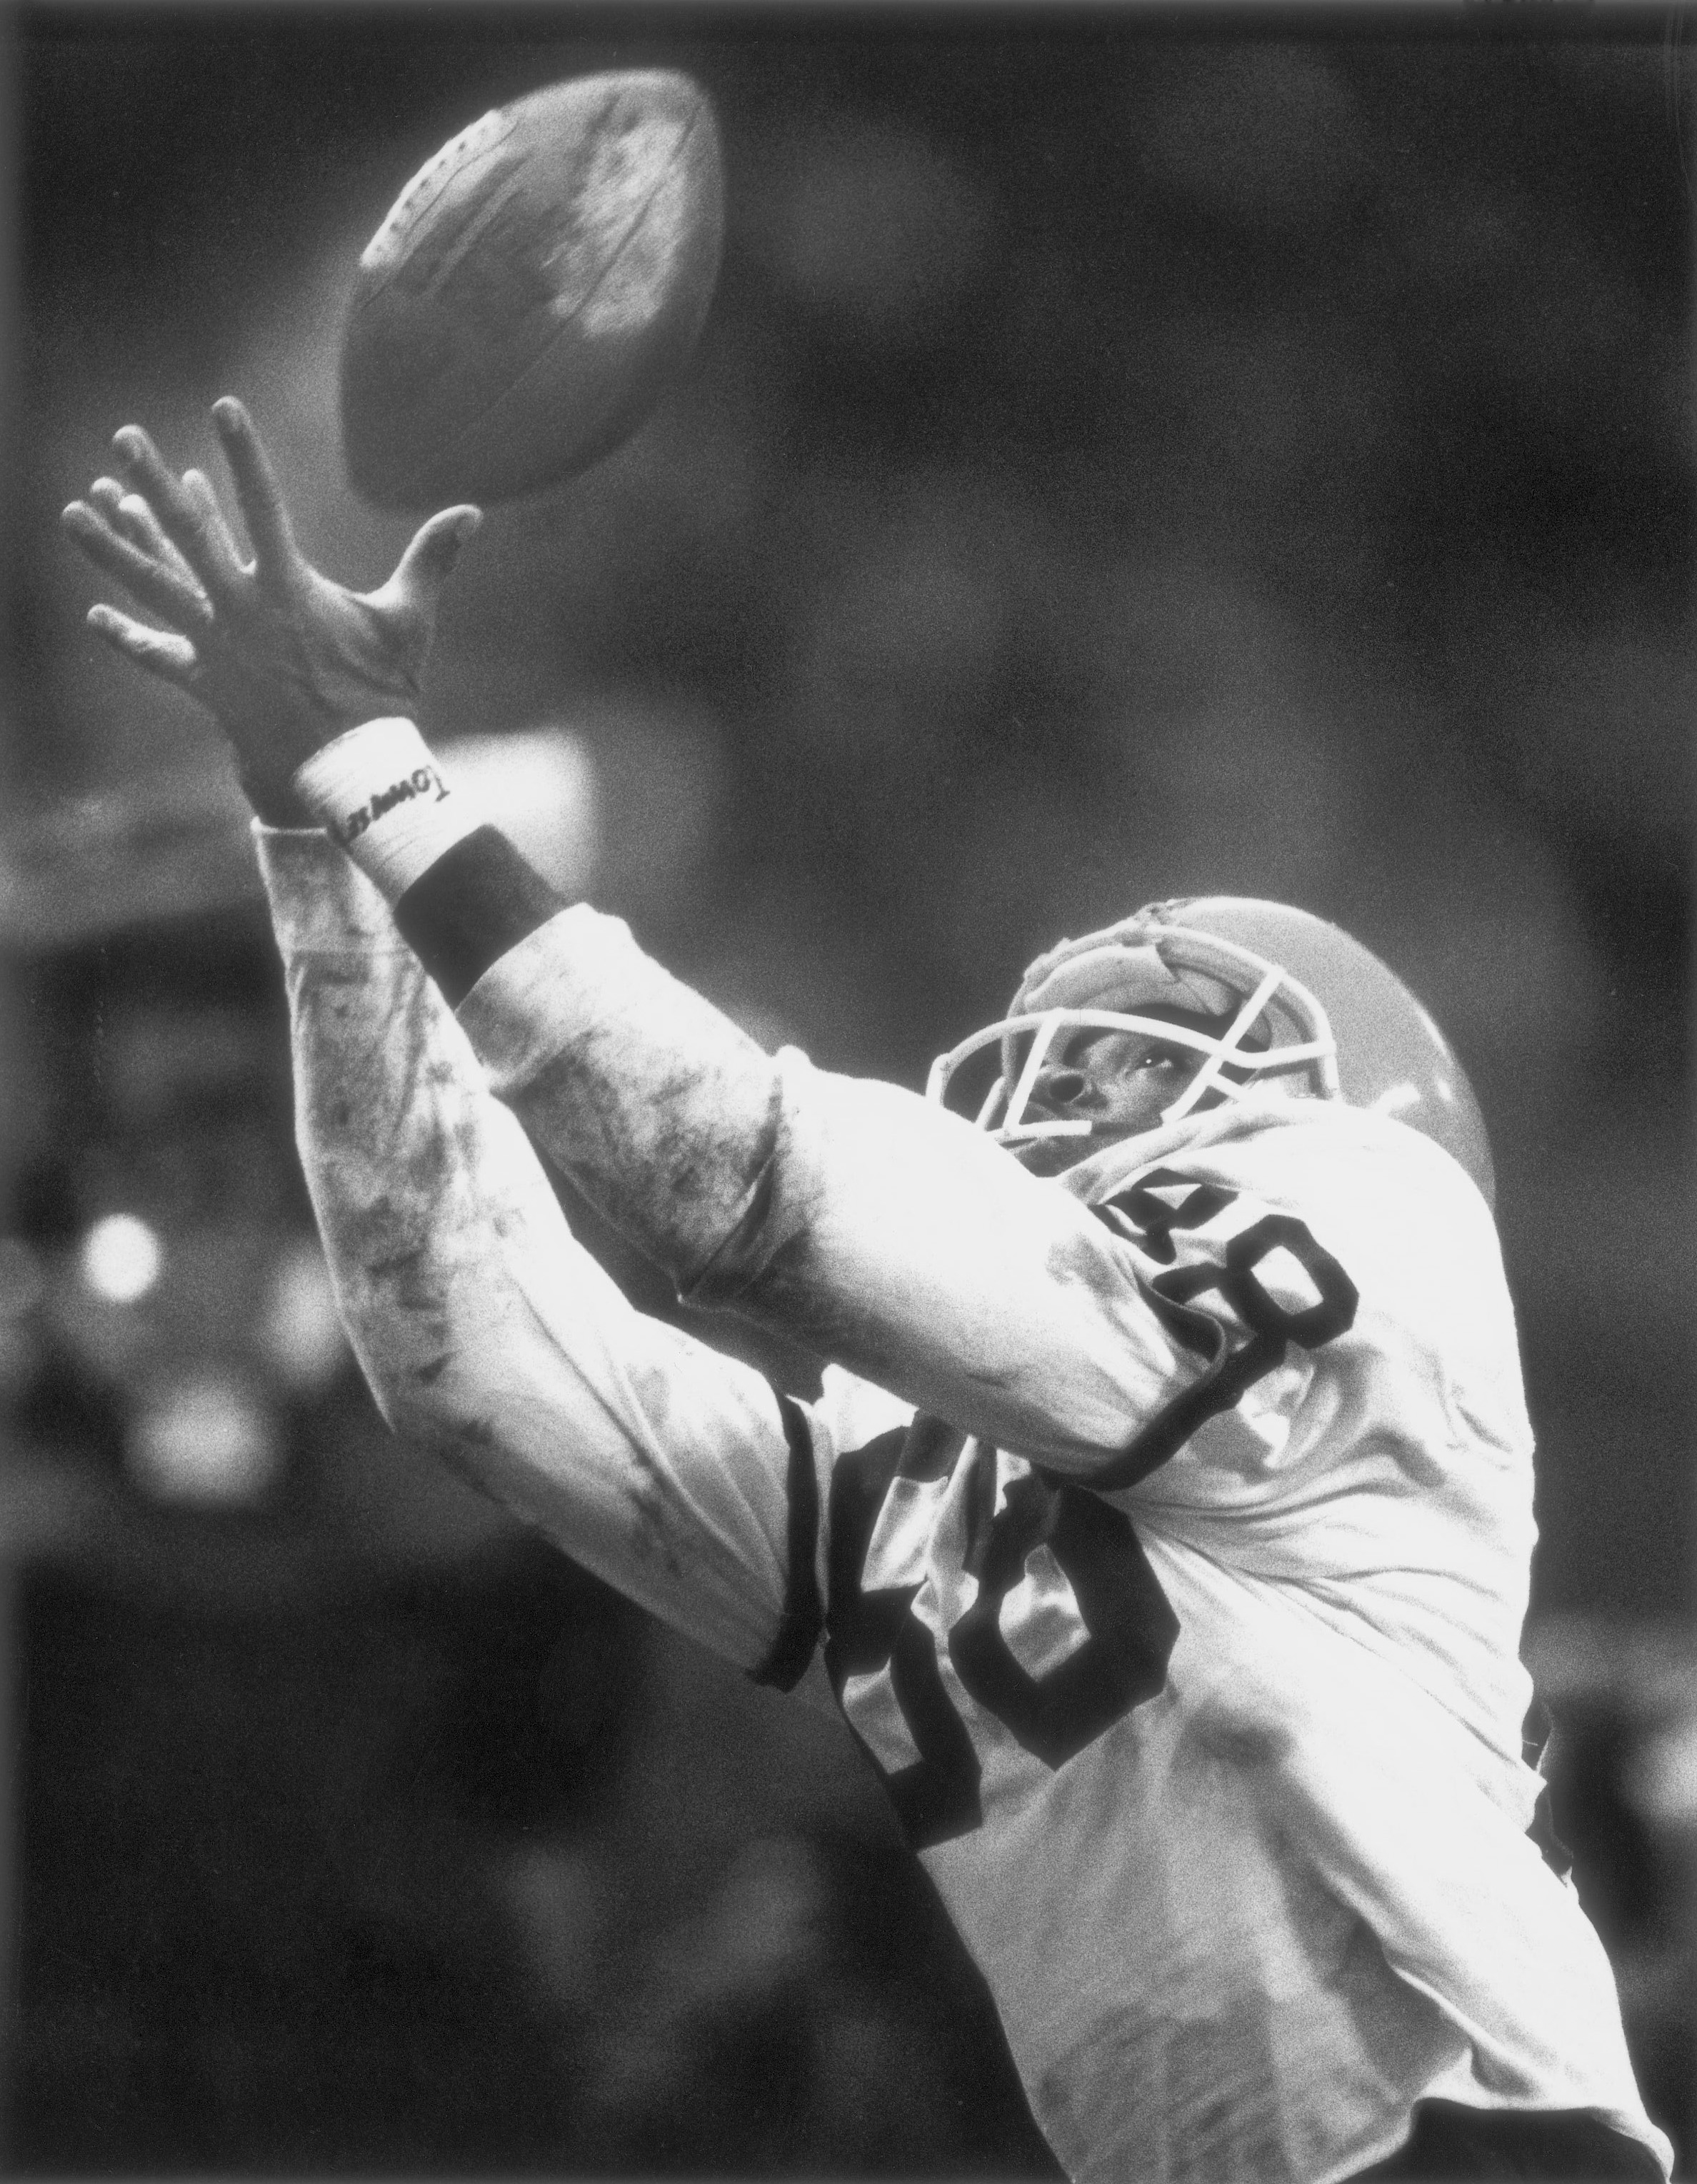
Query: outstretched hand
[(284, 659)]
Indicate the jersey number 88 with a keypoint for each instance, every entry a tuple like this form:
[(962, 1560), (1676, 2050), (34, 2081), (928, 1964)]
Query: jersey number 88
[(1130, 1629)]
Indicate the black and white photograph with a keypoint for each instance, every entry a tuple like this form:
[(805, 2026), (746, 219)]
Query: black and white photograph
[(846, 1091)]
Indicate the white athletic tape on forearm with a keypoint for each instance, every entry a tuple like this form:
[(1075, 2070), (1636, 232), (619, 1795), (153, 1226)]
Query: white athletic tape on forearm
[(379, 792)]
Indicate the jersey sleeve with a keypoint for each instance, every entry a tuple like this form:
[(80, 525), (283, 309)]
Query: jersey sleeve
[(489, 1335), (883, 1232)]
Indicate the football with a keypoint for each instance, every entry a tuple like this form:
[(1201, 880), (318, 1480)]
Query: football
[(533, 290)]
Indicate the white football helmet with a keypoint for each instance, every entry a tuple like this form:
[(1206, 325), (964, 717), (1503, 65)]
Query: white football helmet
[(1262, 991)]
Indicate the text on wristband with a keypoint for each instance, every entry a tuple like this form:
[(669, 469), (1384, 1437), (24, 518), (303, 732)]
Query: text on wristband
[(420, 782)]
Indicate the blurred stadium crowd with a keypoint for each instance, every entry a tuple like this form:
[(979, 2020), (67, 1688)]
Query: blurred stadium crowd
[(1128, 455)]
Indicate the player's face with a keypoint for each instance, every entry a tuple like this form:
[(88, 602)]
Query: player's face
[(1120, 1081)]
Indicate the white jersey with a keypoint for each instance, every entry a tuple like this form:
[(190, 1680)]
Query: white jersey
[(1177, 1595)]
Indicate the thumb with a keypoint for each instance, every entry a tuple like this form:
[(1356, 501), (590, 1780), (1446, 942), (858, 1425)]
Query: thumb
[(428, 562)]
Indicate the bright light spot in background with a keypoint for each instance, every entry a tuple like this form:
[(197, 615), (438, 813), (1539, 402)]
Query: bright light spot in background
[(208, 1440), (539, 787), (1662, 1779), (121, 1258), (301, 1333)]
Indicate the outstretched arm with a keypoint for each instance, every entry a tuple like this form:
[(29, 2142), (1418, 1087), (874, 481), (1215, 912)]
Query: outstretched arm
[(883, 1233), (487, 1333)]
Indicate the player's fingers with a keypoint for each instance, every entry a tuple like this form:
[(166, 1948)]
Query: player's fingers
[(428, 562), (173, 659), (186, 520), (199, 488), (156, 586), (136, 521), (257, 493), (132, 518)]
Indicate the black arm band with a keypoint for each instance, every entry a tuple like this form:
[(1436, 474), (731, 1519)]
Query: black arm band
[(477, 900)]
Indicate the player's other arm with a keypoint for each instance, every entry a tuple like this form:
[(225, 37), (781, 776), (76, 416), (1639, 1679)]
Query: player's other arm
[(884, 1233), (486, 1332), (878, 1230)]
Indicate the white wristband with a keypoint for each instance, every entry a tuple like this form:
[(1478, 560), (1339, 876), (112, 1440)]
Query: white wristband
[(380, 795)]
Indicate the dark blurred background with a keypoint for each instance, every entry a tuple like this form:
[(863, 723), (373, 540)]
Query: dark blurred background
[(1130, 453)]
